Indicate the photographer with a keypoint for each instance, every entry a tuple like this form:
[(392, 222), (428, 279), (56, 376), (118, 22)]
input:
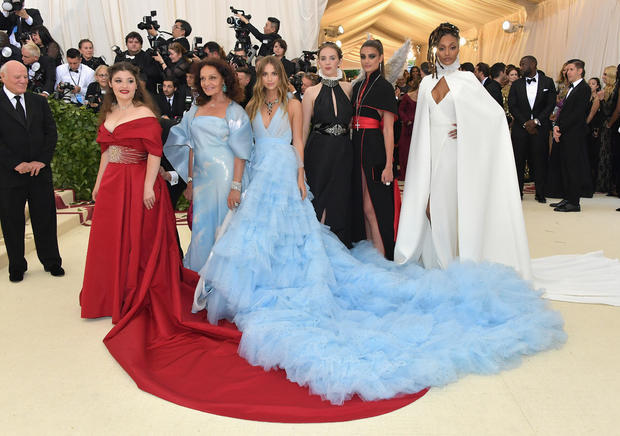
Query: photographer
[(211, 50), (279, 50), (42, 37), (138, 57), (74, 77), (8, 52), (175, 66), (244, 76), (171, 103), (41, 69), (271, 28), (87, 51), (180, 31), (302, 81), (18, 22), (98, 89)]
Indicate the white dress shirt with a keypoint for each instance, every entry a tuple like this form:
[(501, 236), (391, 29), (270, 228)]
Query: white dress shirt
[(84, 77), (12, 39), (11, 97), (531, 89), (575, 83)]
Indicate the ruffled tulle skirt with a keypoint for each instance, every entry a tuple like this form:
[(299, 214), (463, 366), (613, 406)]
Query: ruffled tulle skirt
[(350, 322)]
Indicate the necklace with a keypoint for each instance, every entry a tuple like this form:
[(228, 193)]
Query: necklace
[(359, 98), (270, 105), (331, 82)]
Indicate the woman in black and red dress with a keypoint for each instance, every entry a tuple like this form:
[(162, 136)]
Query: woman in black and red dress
[(376, 197)]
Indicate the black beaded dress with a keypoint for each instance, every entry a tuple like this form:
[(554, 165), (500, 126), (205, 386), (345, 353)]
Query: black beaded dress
[(328, 159)]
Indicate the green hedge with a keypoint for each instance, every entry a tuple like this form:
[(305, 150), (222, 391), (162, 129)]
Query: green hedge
[(76, 160)]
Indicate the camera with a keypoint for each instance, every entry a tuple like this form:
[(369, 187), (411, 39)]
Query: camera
[(197, 48), (12, 5), (305, 64), (24, 37), (117, 50), (296, 82), (189, 100), (235, 21), (65, 86), (149, 22), (236, 60), (242, 33), (159, 47)]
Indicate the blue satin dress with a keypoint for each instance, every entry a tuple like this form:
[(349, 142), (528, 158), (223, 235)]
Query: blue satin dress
[(351, 322), (216, 142)]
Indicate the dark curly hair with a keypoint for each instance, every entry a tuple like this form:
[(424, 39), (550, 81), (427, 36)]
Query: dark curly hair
[(233, 89), (433, 41)]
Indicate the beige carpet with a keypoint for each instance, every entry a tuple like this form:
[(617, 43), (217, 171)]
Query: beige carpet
[(57, 378)]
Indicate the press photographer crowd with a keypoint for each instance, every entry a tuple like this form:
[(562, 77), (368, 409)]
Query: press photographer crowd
[(77, 76)]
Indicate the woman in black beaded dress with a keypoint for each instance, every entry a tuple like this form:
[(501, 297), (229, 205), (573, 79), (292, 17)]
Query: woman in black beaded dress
[(376, 199), (328, 156)]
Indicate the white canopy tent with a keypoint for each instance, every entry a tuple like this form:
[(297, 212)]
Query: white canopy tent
[(552, 30)]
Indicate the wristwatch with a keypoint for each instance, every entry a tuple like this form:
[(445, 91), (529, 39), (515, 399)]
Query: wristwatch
[(189, 179), (537, 121)]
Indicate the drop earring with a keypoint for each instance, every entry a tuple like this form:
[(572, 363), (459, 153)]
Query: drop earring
[(224, 88)]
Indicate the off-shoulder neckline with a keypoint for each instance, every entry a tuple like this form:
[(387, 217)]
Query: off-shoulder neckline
[(126, 122)]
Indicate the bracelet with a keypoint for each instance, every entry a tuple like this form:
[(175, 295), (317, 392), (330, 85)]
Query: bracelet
[(189, 179), (235, 186)]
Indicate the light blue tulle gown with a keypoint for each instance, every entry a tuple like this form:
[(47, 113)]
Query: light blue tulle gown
[(216, 142), (350, 322)]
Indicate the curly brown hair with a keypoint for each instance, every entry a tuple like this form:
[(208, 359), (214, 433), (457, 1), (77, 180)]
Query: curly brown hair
[(140, 98), (233, 89)]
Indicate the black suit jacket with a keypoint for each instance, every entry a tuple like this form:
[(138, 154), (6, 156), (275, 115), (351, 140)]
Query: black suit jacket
[(519, 105), (20, 142), (574, 112), (8, 23), (44, 79), (266, 39), (147, 65), (178, 105), (495, 89)]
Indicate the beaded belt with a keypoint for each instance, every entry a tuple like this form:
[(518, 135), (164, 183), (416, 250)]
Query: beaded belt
[(125, 155), (331, 129)]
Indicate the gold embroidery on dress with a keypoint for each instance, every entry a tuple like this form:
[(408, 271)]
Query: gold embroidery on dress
[(125, 155)]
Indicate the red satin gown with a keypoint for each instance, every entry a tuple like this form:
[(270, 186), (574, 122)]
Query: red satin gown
[(134, 273)]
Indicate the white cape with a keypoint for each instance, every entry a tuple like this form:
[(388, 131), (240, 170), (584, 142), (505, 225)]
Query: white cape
[(490, 216)]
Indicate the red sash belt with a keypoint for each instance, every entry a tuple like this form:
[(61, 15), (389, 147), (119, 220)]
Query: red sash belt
[(366, 123)]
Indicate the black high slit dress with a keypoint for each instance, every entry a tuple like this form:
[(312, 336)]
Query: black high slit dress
[(328, 160), (373, 94)]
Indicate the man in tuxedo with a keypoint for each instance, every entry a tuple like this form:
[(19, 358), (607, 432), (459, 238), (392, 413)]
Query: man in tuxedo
[(135, 55), (531, 101), (494, 86), (171, 103), (180, 31), (27, 142), (75, 74), (481, 71), (41, 69), (17, 22), (570, 133)]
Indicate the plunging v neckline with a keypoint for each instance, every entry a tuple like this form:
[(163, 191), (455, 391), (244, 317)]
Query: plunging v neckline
[(271, 120)]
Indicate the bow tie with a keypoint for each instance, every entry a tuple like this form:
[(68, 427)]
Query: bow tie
[(74, 71), (129, 57), (533, 79)]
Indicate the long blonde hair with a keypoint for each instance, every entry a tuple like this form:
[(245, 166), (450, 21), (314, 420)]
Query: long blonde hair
[(258, 98), (610, 72)]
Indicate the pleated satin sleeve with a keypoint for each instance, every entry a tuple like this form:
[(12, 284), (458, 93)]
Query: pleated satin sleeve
[(240, 131), (176, 148)]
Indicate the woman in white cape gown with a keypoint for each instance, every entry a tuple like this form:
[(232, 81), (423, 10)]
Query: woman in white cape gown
[(469, 184)]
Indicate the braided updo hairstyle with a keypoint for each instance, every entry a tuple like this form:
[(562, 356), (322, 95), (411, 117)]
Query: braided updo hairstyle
[(433, 41)]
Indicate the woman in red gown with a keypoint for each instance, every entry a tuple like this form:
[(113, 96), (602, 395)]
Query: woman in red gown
[(133, 231)]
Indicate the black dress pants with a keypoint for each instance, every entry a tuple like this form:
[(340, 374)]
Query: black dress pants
[(39, 193), (535, 150), (571, 166)]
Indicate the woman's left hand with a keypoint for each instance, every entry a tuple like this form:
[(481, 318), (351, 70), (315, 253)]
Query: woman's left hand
[(149, 197), (158, 57), (234, 199), (452, 133), (387, 176), (301, 183)]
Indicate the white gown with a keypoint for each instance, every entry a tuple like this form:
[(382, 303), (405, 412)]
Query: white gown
[(475, 207)]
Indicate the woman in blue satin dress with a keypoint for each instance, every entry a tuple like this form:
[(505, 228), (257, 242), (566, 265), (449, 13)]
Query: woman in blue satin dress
[(351, 322), (208, 149)]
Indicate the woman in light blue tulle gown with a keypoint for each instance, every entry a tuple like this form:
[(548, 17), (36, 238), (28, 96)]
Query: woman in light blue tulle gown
[(350, 322), (208, 149)]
